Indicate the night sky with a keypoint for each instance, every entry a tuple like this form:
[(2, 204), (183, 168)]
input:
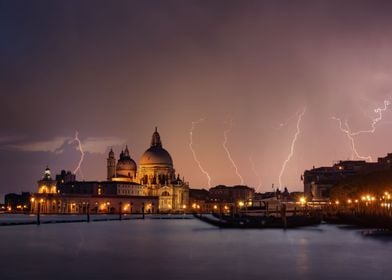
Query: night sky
[(113, 70)]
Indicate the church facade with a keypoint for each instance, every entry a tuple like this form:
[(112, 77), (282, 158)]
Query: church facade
[(151, 187), (155, 173)]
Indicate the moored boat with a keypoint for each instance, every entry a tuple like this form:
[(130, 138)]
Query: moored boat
[(260, 222)]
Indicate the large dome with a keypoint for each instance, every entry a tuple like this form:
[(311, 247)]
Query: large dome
[(156, 155)]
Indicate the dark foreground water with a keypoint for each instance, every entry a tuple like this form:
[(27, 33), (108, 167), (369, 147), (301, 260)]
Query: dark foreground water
[(189, 249)]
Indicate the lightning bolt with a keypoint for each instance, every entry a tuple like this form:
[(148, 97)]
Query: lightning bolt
[(194, 123), (378, 111), (253, 167), (351, 139), (225, 133), (77, 140), (300, 115), (280, 125), (350, 135)]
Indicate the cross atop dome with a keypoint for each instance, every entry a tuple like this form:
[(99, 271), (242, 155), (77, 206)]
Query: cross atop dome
[(126, 151)]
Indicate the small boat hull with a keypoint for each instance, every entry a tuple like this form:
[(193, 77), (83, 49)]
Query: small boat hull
[(260, 222)]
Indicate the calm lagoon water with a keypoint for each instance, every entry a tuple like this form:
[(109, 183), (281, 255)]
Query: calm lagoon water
[(189, 249)]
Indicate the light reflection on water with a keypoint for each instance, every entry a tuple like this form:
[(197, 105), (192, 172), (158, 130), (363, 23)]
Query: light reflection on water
[(189, 249)]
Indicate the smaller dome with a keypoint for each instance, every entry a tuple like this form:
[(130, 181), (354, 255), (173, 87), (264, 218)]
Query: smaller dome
[(126, 164)]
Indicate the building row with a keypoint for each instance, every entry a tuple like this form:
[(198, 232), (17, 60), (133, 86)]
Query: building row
[(220, 198), (106, 197), (319, 181)]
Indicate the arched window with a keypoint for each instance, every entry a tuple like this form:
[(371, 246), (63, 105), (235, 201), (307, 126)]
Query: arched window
[(165, 193)]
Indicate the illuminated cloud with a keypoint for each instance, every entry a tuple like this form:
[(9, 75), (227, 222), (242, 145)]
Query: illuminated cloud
[(99, 145), (93, 145), (55, 145)]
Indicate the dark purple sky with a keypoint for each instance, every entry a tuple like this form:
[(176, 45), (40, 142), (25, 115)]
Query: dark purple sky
[(113, 70)]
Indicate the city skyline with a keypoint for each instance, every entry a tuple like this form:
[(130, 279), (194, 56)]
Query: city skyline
[(276, 85)]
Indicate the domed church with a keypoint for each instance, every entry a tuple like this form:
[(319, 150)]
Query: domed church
[(124, 170), (156, 174)]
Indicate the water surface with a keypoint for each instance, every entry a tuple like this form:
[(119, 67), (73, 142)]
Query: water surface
[(189, 249)]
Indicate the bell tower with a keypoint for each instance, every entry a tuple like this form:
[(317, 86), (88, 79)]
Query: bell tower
[(47, 184), (111, 165)]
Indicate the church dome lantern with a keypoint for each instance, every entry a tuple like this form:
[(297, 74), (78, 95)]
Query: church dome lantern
[(156, 154)]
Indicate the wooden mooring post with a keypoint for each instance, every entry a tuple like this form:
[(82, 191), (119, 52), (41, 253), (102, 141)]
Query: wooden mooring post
[(120, 211), (39, 214), (88, 212)]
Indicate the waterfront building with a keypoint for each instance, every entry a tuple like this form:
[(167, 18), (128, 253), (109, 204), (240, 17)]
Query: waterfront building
[(93, 204), (233, 194), (198, 199), (154, 187), (17, 202), (65, 177), (220, 198), (319, 181)]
